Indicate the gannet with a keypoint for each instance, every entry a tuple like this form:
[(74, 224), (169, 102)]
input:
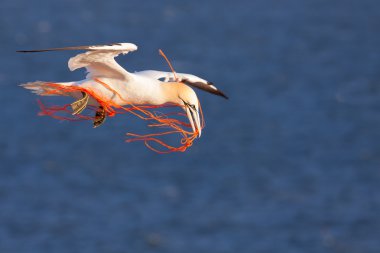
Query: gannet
[(143, 87)]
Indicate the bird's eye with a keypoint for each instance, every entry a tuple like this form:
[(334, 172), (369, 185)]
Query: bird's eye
[(192, 107)]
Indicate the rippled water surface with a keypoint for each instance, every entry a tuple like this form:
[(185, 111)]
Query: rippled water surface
[(289, 164)]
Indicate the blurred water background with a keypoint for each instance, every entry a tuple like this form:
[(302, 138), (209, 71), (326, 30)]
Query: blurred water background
[(289, 164)]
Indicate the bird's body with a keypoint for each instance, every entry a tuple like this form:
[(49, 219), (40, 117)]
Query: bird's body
[(135, 91), (108, 82)]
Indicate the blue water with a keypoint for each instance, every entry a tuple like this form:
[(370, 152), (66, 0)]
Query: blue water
[(291, 163)]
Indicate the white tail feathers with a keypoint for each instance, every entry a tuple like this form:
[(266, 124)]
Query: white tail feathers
[(36, 87), (40, 88)]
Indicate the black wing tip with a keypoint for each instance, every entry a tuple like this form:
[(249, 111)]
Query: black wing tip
[(217, 92), (208, 87), (223, 95), (88, 48), (25, 51)]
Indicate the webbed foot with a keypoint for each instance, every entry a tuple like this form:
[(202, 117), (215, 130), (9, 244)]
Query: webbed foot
[(100, 116), (79, 105)]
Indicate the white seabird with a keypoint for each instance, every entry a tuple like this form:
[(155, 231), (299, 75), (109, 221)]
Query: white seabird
[(144, 87)]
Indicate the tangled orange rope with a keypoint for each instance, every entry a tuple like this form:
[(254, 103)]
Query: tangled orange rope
[(141, 111)]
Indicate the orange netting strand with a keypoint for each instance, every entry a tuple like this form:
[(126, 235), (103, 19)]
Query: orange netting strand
[(169, 63), (52, 110), (141, 111)]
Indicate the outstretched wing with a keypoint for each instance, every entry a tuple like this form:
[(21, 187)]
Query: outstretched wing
[(99, 60), (188, 79)]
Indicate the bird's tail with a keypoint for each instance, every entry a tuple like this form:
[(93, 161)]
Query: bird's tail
[(46, 88)]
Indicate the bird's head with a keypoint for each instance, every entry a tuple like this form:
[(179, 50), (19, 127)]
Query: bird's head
[(187, 98)]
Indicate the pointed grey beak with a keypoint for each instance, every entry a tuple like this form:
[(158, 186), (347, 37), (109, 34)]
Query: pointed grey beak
[(194, 119)]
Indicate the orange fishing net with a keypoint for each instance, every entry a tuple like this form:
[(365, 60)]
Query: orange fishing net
[(154, 141)]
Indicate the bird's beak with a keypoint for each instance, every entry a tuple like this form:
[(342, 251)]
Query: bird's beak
[(194, 119)]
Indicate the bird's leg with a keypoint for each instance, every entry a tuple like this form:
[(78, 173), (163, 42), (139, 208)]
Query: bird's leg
[(79, 105), (100, 116)]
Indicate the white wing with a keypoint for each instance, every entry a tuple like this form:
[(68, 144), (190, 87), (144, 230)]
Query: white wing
[(188, 79), (169, 76), (99, 60)]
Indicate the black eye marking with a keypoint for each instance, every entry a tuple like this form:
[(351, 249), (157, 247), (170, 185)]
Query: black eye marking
[(189, 105)]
